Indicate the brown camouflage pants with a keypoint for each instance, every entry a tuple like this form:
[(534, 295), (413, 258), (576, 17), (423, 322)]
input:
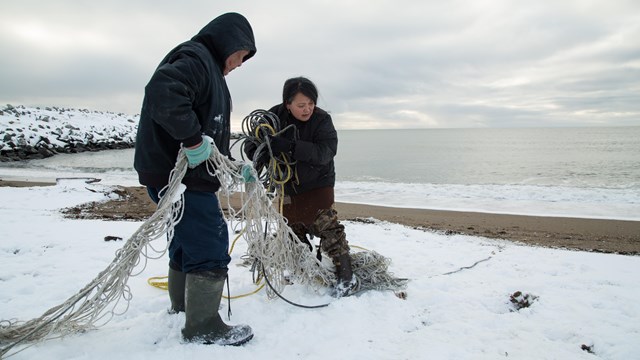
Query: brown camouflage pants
[(312, 213), (327, 227)]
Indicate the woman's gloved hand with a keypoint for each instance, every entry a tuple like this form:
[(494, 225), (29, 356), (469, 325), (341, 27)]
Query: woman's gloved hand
[(247, 175), (280, 144)]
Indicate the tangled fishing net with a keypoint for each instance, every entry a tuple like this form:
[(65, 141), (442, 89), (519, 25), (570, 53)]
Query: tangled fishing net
[(270, 248)]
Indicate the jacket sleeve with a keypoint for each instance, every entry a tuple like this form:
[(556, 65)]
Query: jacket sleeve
[(172, 91), (322, 148)]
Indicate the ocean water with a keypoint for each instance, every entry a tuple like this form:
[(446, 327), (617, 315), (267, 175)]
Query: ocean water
[(577, 157), (579, 172)]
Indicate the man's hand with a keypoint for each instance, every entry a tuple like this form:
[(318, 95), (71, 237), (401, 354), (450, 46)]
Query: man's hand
[(198, 154)]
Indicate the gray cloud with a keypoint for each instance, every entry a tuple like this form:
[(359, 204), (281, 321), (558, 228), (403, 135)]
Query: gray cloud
[(400, 64)]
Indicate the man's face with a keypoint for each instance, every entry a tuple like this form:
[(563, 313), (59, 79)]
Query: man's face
[(234, 60)]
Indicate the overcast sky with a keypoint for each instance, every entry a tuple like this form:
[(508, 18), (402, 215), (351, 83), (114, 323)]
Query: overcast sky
[(377, 64)]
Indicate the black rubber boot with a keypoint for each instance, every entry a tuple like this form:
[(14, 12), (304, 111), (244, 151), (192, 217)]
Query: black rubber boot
[(347, 283), (203, 323), (176, 284)]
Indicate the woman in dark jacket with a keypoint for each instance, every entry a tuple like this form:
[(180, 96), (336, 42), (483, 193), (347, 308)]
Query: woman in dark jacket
[(187, 101), (309, 194)]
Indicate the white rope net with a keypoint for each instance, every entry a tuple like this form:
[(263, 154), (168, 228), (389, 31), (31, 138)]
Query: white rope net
[(108, 293), (270, 245)]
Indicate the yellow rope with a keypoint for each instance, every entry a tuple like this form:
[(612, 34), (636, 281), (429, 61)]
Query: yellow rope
[(268, 126), (233, 244), (245, 295), (159, 281), (277, 166)]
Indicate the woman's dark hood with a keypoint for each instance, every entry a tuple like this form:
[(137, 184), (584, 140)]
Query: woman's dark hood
[(225, 35)]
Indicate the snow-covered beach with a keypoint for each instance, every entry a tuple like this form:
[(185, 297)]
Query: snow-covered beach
[(457, 306)]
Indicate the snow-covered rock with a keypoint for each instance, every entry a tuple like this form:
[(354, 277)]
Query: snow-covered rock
[(34, 132)]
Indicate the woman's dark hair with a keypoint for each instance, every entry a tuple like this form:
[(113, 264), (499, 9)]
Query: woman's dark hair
[(299, 85)]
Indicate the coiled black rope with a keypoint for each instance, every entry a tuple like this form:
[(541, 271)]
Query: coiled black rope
[(274, 170)]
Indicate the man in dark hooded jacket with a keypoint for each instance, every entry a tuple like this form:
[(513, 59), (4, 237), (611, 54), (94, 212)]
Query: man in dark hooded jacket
[(187, 99)]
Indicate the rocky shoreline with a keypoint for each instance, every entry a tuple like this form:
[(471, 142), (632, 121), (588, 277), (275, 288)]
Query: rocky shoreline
[(28, 133)]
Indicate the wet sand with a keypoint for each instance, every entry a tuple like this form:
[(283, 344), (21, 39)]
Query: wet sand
[(611, 236)]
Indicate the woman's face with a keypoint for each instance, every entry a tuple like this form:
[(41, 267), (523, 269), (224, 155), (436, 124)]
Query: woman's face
[(301, 107), (234, 60)]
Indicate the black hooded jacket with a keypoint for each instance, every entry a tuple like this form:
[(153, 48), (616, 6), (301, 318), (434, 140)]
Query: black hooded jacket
[(187, 97), (314, 150)]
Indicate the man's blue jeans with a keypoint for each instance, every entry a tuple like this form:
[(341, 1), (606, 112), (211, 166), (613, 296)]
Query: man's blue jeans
[(201, 238)]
